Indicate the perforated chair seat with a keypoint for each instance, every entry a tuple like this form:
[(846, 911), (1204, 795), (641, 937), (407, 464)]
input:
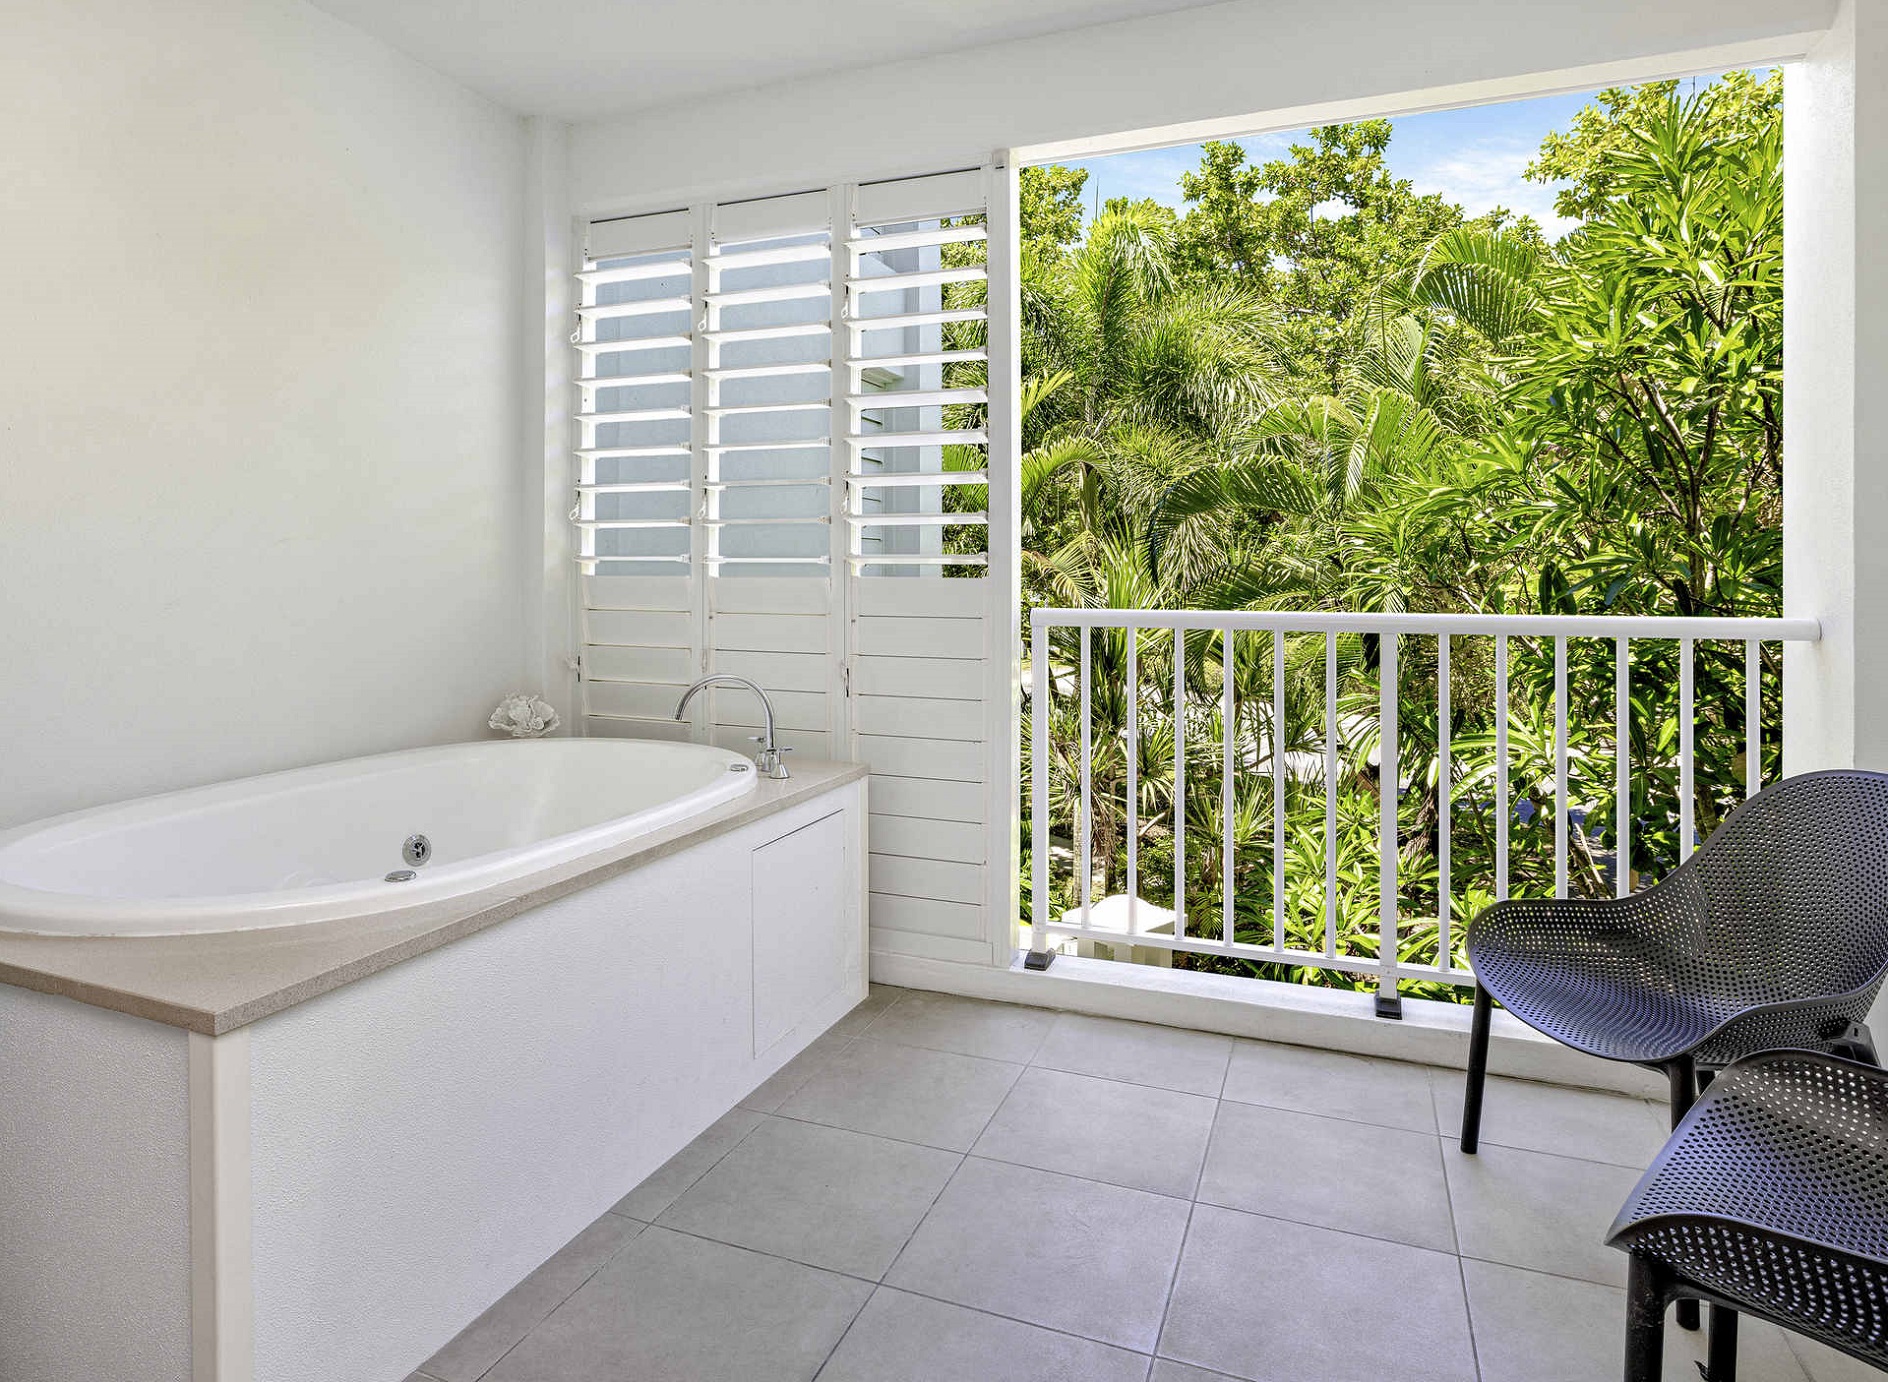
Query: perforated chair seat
[(1771, 1198), (1624, 980), (1773, 934)]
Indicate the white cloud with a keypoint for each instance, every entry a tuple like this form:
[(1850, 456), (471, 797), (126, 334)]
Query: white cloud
[(1487, 173)]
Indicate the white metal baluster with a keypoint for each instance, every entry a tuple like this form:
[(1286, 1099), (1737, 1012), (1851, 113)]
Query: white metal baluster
[(1087, 817), (1562, 826), (1685, 827), (1753, 717), (1622, 767), (1501, 767), (1278, 790), (1388, 843), (1039, 779), (1179, 783), (1226, 709), (1443, 812), (1331, 736), (1134, 778)]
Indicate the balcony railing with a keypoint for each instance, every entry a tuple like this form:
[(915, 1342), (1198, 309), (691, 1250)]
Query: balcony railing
[(1262, 746)]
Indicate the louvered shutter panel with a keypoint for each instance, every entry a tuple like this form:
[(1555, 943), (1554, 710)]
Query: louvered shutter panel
[(633, 507), (916, 420), (784, 472)]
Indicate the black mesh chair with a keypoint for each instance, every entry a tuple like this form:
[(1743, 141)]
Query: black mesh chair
[(1771, 1199), (1775, 933)]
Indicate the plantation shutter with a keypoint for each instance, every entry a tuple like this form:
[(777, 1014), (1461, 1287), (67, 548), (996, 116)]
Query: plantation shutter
[(633, 508), (921, 632), (783, 474)]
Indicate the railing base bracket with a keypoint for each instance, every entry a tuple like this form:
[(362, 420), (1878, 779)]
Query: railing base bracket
[(1038, 959), (1390, 1006)]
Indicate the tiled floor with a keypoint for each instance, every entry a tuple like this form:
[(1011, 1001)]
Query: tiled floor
[(943, 1189)]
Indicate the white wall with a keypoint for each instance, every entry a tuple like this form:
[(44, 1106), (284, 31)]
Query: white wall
[(259, 403), (1228, 60), (1835, 565)]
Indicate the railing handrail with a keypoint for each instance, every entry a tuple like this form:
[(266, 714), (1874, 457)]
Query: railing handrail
[(1788, 630), (1556, 629)]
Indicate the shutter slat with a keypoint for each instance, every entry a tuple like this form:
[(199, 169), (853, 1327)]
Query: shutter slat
[(900, 479), (961, 437), (642, 307), (909, 319), (917, 398), (678, 342), (917, 239)]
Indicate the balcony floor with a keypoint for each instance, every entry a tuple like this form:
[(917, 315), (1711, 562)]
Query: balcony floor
[(944, 1189)]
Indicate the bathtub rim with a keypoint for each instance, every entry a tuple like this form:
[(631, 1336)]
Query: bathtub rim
[(282, 908)]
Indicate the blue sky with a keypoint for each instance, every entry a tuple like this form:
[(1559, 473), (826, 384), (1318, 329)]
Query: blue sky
[(1473, 156)]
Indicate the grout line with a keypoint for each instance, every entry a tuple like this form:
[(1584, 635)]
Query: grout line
[(840, 1338), (1347, 1232), (1333, 1117), (1455, 1236), (567, 1296), (893, 1264), (1173, 1282), (883, 1137), (1038, 1063)]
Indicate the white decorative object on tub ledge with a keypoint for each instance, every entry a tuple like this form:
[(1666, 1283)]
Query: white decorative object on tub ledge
[(525, 716)]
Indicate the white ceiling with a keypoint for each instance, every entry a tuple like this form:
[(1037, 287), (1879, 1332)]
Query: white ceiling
[(578, 59)]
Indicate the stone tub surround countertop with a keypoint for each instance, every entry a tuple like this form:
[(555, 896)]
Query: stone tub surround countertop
[(215, 982)]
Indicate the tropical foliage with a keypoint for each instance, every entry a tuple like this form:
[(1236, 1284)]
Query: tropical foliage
[(1314, 389)]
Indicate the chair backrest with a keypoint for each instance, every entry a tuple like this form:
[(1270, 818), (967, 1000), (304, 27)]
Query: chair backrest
[(1795, 885)]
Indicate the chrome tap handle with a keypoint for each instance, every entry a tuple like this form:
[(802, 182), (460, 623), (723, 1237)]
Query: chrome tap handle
[(771, 761)]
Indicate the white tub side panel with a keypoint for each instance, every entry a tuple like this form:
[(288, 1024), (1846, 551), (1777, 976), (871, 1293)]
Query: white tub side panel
[(424, 1138), (94, 1194)]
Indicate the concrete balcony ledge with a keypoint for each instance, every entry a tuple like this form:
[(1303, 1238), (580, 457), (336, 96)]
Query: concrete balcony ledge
[(1430, 1033)]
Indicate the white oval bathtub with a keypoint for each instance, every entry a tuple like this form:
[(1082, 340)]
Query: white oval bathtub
[(316, 844)]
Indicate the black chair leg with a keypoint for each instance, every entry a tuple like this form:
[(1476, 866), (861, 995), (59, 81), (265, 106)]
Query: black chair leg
[(1682, 1075), (1477, 1070), (1721, 1357), (1858, 1044), (1645, 1321)]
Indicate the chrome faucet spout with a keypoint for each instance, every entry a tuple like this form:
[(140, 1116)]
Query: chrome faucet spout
[(771, 760)]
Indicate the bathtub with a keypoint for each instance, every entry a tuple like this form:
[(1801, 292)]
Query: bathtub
[(239, 1131), (327, 843)]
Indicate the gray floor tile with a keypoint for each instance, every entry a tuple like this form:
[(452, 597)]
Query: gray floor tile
[(1166, 1370), (1824, 1364), (968, 1026), (776, 1089), (867, 1009), (483, 1342), (1134, 1135), (1330, 1083), (1381, 1182), (1531, 1327), (933, 1097), (829, 1198), (1068, 1254), (1263, 1299), (1566, 1122), (1138, 1052), (671, 1307), (905, 1338), (666, 1184), (1529, 1209)]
